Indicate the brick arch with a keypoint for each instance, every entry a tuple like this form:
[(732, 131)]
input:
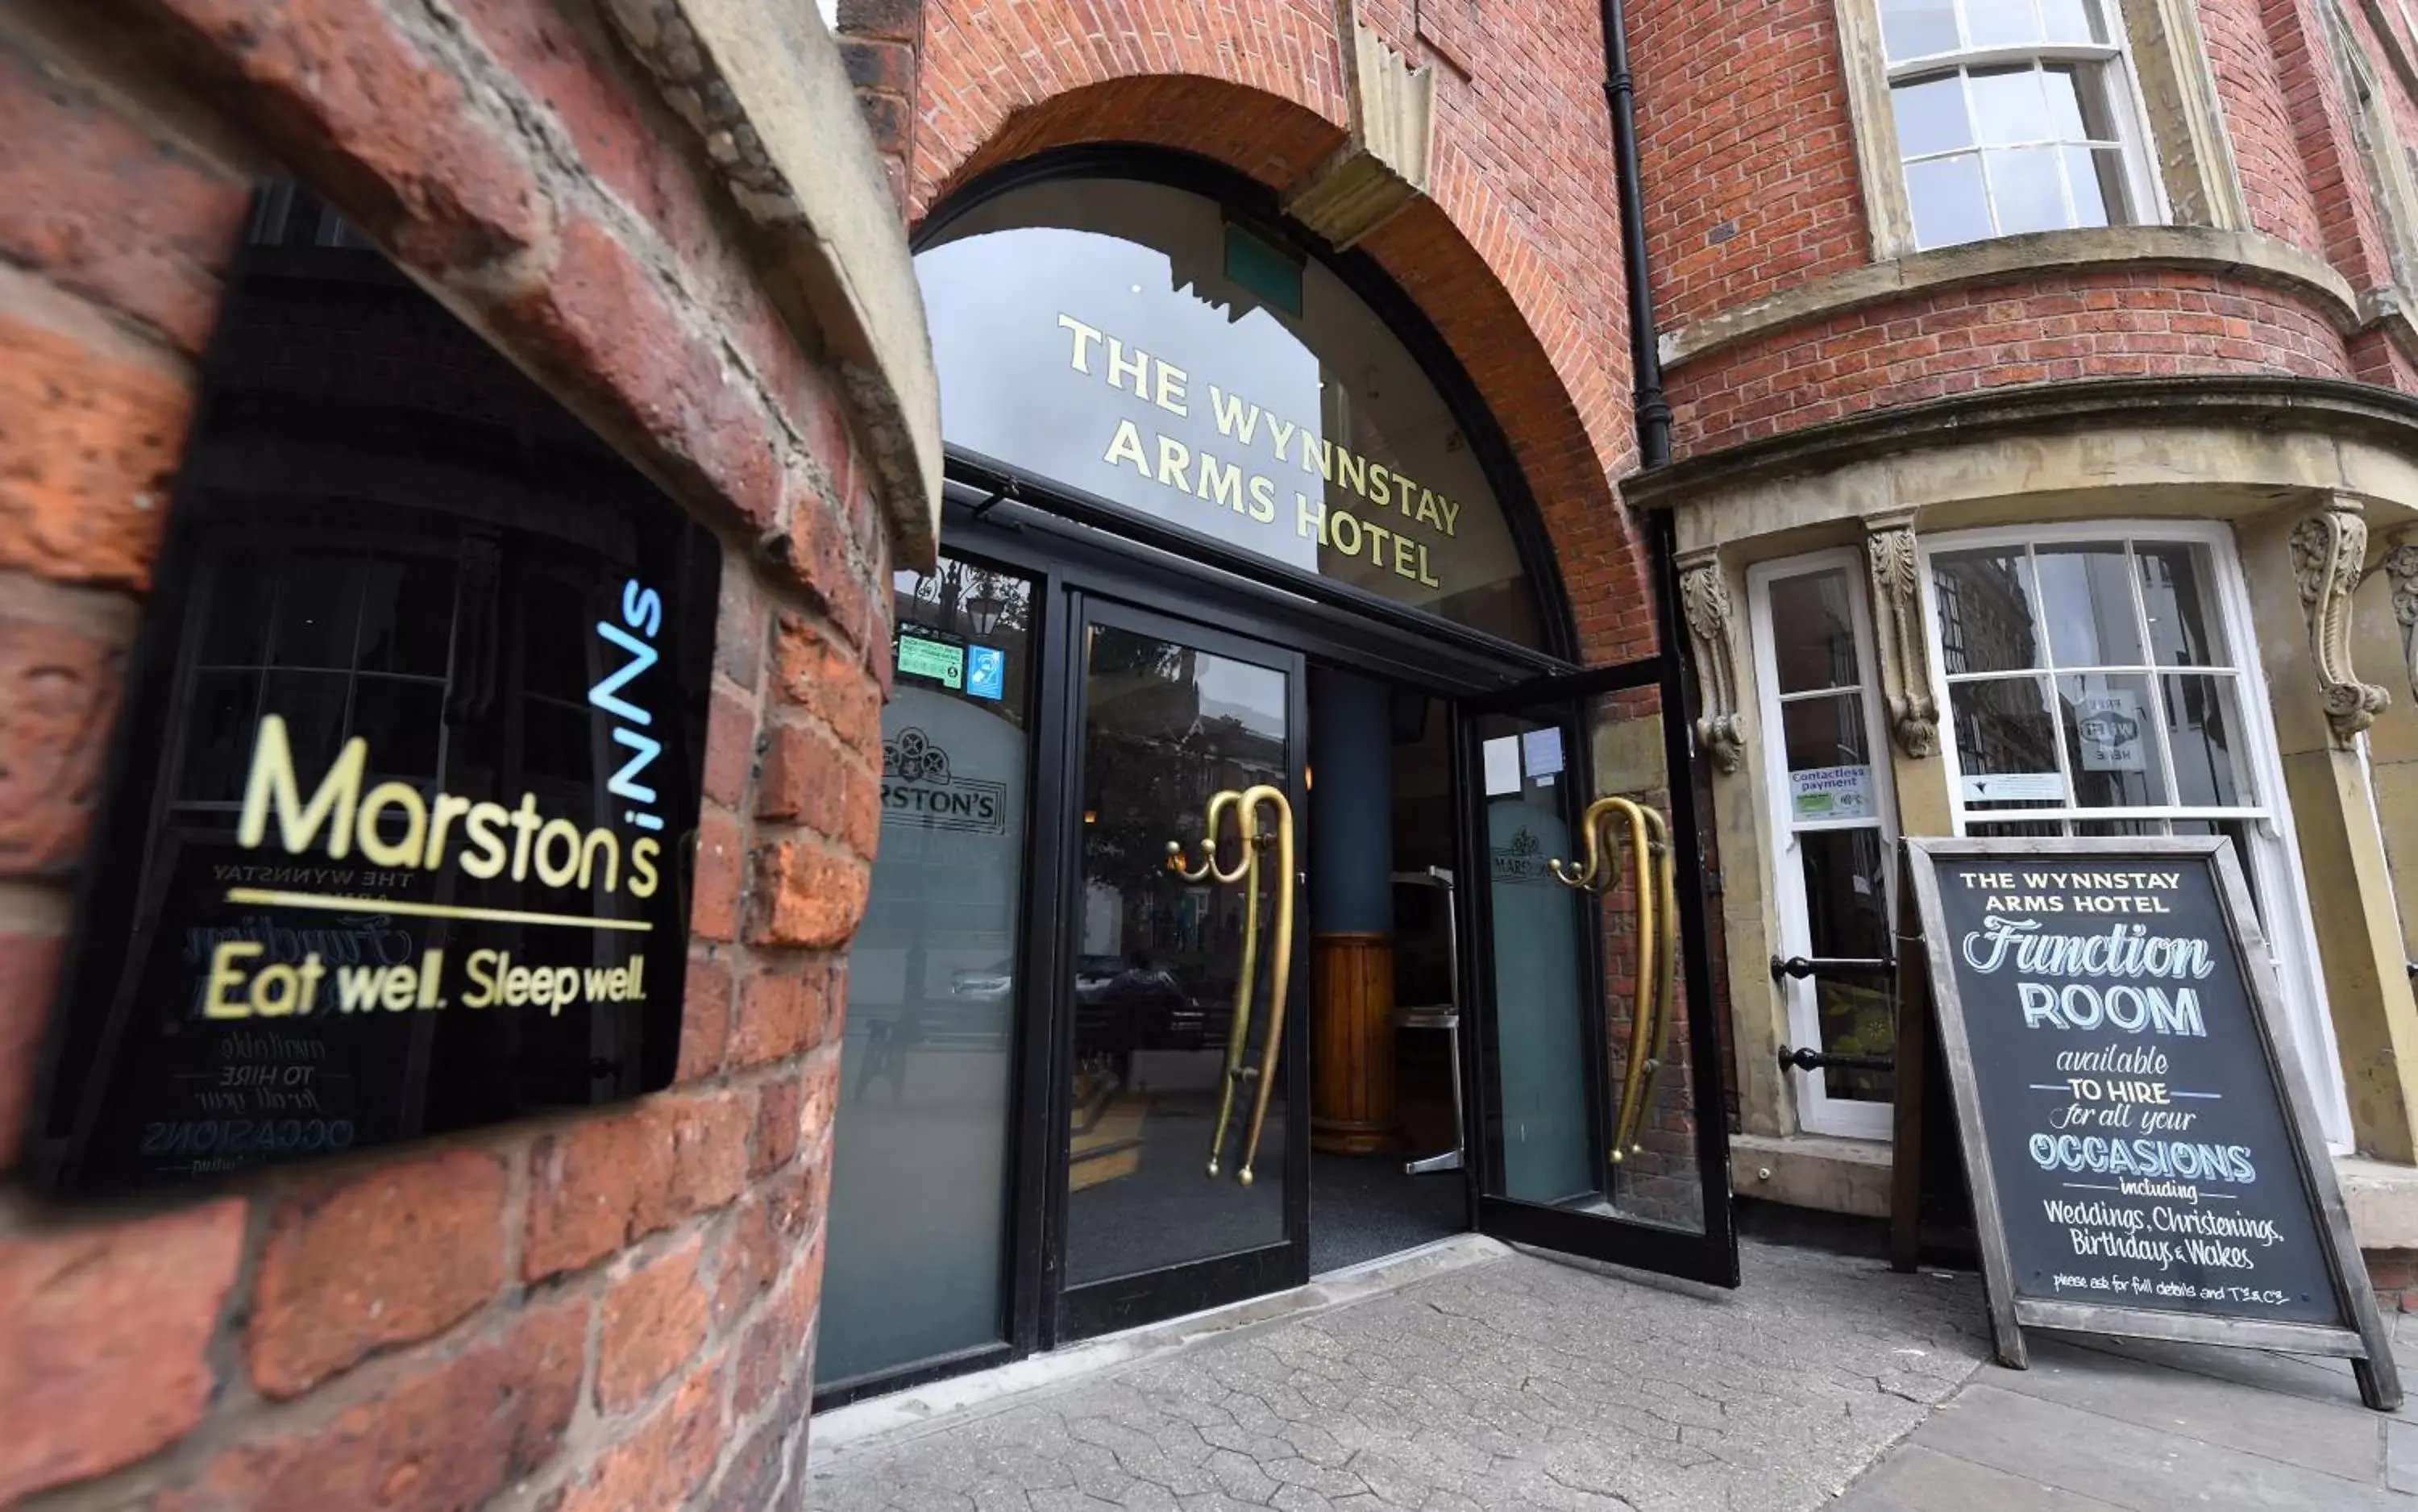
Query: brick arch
[(1554, 383)]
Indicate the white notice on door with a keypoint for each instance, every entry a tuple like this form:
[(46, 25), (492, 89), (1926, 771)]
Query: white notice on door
[(1543, 751), (1831, 793), (1502, 765)]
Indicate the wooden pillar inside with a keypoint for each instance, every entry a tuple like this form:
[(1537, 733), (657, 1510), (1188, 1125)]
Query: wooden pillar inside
[(1352, 1051)]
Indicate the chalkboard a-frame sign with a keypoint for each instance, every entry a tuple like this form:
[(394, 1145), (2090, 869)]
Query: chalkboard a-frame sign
[(2135, 1122)]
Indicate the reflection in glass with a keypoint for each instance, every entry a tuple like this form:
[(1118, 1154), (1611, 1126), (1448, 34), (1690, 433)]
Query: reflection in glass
[(1552, 1068), (2110, 747), (1846, 908), (1931, 116), (1129, 340), (1814, 632), (1166, 725), (2004, 728), (1825, 731), (2024, 187), (1948, 201), (2176, 580), (2009, 106), (1986, 610), (2087, 602), (919, 1204), (1917, 28), (2211, 770)]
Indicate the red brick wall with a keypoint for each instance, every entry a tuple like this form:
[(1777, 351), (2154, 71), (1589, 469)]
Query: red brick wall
[(2103, 324), (1514, 254), (1745, 138), (1748, 158), (611, 1311)]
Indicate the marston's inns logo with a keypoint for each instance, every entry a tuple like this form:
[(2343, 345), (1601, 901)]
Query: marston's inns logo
[(918, 789)]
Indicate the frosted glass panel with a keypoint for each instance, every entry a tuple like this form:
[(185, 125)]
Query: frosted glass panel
[(920, 1161)]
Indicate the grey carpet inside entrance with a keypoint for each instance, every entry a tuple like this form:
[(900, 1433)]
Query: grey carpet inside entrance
[(1365, 1206)]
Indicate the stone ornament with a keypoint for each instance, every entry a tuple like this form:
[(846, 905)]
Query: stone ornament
[(2328, 550), (1904, 665), (2401, 565), (1382, 166), (1704, 603)]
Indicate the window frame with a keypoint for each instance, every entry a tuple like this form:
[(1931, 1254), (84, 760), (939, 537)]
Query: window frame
[(2134, 138), (2186, 154), (2274, 859), (1818, 1111)]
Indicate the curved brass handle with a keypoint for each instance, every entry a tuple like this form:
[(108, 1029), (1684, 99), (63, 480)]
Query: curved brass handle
[(1654, 874), (1280, 969), (1255, 838)]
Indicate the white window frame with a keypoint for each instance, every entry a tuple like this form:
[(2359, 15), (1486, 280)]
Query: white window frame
[(1818, 1111), (2274, 863), (2144, 185)]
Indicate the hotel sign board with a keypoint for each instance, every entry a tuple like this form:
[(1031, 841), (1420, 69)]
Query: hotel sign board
[(2137, 1126), (397, 832)]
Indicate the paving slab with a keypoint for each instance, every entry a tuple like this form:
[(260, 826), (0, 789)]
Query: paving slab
[(1916, 1479), (2089, 1453), (2329, 1432), (1521, 1382)]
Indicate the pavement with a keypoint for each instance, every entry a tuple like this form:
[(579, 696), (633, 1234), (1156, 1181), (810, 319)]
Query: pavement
[(1470, 1376)]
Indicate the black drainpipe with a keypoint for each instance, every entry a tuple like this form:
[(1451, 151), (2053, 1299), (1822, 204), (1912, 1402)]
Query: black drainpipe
[(1645, 345)]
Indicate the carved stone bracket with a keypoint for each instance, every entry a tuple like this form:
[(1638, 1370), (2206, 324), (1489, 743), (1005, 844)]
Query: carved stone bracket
[(1383, 165), (2401, 565), (1704, 603), (1897, 624), (2329, 548)]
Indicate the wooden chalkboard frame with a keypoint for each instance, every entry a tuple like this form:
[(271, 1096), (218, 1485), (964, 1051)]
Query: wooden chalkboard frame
[(2364, 1343)]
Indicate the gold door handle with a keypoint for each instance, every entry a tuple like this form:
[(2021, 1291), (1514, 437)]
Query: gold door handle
[(1247, 802), (1653, 875), (1280, 969)]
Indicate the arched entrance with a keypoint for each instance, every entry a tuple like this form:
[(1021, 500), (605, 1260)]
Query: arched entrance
[(1236, 777)]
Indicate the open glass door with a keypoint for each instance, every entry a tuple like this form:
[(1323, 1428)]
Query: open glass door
[(1597, 1117)]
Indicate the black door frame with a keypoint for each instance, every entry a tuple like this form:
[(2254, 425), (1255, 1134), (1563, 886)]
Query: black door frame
[(1120, 1302), (1064, 545)]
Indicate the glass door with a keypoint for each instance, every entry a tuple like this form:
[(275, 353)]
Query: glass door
[(1597, 1121), (1186, 998)]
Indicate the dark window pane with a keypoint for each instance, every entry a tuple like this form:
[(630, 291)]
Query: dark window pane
[(1825, 732), (219, 736), (402, 721), (558, 629), (1814, 632), (557, 742), (1984, 601), (407, 616), (242, 595), (318, 612), (1154, 985), (2176, 579), (1846, 911), (2203, 725), (2006, 743), (313, 705)]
